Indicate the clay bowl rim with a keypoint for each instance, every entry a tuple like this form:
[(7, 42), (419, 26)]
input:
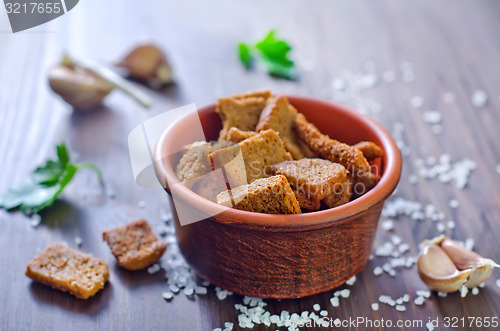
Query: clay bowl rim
[(296, 222)]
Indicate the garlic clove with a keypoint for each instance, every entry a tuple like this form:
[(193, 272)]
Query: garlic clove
[(461, 256), (437, 270), (480, 273), (79, 87), (148, 63)]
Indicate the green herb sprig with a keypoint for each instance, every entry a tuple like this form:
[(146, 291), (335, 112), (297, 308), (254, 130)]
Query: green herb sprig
[(45, 185), (273, 52)]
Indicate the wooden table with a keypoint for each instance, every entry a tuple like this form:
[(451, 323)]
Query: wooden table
[(453, 46)]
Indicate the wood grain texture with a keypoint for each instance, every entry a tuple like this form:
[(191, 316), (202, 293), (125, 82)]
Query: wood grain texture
[(453, 46)]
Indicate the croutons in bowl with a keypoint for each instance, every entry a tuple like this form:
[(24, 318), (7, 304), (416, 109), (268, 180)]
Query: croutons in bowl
[(255, 233)]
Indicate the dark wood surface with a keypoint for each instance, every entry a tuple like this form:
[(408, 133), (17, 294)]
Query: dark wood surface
[(453, 46)]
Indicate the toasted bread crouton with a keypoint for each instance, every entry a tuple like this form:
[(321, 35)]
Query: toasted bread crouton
[(279, 115), (341, 195), (255, 153), (328, 148), (241, 111), (307, 203), (235, 135), (363, 182), (272, 195), (69, 270), (311, 179), (195, 161), (134, 245), (370, 150)]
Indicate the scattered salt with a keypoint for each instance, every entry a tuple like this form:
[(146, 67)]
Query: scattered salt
[(35, 220), (396, 240), (335, 301), (400, 308), (419, 301), (345, 293), (154, 268), (378, 271), (413, 179), (497, 282), (316, 307), (475, 291), (417, 102), (167, 295), (388, 225), (375, 306), (454, 203), (442, 294), (432, 117), (463, 291), (450, 224), (479, 98), (141, 204), (78, 241), (351, 281), (440, 227), (429, 326), (323, 313)]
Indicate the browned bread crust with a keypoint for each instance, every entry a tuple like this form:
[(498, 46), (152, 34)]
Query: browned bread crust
[(328, 148), (272, 195), (257, 152), (134, 245), (279, 115), (241, 110), (236, 135), (369, 149), (69, 270)]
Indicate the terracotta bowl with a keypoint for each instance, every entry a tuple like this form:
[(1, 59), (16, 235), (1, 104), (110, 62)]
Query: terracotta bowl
[(280, 256)]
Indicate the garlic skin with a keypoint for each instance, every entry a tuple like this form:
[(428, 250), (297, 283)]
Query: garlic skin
[(445, 266), (148, 63), (80, 88)]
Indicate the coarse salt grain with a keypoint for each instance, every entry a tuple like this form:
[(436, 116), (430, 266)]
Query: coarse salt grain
[(432, 117), (375, 306), (377, 271), (498, 283), (335, 301), (388, 225), (419, 301), (454, 203), (323, 313), (141, 204), (316, 307), (463, 291), (400, 308), (396, 240), (440, 227), (450, 224), (469, 243), (167, 295), (442, 294), (429, 326), (351, 280), (154, 268), (345, 293), (475, 291), (413, 179), (78, 241), (479, 98), (417, 102)]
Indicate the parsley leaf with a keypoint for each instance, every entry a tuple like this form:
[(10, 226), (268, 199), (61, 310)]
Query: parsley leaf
[(45, 185), (245, 54), (273, 52)]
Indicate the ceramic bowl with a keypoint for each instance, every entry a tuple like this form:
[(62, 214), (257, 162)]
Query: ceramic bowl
[(280, 256)]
